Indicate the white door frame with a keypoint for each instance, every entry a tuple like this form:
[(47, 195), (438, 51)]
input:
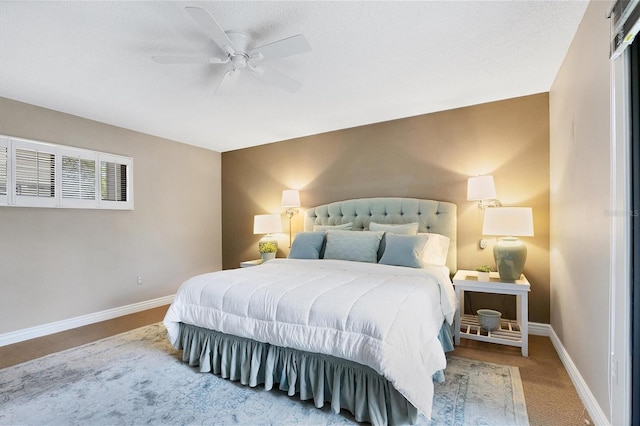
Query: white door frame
[(620, 245)]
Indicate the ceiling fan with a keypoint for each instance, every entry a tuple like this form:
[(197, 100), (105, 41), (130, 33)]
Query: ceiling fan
[(237, 45)]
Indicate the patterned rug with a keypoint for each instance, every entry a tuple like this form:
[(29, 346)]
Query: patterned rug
[(138, 378)]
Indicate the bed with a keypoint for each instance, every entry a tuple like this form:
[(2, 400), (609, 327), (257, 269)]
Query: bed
[(360, 320)]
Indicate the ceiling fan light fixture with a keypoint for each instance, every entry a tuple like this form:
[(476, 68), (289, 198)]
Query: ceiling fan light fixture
[(239, 61)]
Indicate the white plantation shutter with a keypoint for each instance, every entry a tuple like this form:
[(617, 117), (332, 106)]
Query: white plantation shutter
[(34, 174), (39, 174), (115, 182), (4, 171), (78, 178)]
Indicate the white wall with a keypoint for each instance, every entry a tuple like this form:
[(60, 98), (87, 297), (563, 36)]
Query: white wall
[(580, 195), (57, 264)]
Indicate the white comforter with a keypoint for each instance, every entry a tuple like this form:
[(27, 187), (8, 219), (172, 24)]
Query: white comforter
[(385, 317)]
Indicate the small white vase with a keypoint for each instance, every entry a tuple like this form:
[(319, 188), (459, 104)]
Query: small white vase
[(483, 276), (267, 256)]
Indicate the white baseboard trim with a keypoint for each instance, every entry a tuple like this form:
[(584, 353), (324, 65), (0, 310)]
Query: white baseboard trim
[(539, 329), (58, 326), (597, 415)]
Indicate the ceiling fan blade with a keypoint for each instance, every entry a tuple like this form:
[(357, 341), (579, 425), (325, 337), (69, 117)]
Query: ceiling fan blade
[(187, 60), (224, 76), (279, 49), (210, 26), (276, 78)]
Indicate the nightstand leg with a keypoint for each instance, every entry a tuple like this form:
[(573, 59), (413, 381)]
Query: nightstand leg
[(522, 314), (456, 319)]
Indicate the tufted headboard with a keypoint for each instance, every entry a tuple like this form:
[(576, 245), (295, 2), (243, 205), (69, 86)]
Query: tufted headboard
[(439, 217)]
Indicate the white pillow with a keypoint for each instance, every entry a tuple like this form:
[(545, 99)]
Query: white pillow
[(404, 229), (436, 250), (345, 227)]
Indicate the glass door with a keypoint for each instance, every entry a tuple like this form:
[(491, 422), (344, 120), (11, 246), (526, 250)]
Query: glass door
[(635, 232)]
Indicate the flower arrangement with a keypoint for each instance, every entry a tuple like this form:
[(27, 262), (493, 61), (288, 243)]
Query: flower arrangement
[(267, 247)]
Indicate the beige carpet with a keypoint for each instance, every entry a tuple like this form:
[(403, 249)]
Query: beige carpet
[(550, 396), (137, 377)]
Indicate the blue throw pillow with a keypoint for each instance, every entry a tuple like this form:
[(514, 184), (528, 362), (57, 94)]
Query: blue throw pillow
[(353, 245), (307, 245), (404, 250), (401, 229)]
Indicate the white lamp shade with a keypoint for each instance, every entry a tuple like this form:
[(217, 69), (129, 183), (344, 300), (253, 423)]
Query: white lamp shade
[(267, 224), (481, 188), (290, 198), (508, 221)]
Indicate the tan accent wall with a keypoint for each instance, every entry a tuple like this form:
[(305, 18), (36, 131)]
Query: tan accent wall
[(57, 264), (580, 197), (429, 156)]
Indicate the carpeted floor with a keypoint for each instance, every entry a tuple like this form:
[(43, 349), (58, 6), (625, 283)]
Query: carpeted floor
[(138, 378), (550, 396), (552, 400)]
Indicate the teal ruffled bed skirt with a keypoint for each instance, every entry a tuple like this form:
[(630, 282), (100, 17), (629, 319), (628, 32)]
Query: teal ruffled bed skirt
[(344, 384)]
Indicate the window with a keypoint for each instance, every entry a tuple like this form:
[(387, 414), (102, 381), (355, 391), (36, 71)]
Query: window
[(78, 179), (34, 174), (38, 174), (634, 77), (4, 169), (114, 181)]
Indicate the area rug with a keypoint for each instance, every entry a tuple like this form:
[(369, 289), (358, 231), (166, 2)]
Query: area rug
[(138, 378)]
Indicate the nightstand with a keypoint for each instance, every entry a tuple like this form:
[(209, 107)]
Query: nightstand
[(512, 333), (249, 263)]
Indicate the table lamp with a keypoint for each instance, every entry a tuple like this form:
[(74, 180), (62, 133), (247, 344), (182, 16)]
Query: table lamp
[(509, 252), (267, 224)]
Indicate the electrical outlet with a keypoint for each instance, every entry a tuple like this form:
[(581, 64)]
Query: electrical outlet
[(139, 280)]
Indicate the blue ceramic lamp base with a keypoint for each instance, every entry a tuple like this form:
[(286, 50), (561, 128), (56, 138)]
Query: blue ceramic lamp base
[(510, 255)]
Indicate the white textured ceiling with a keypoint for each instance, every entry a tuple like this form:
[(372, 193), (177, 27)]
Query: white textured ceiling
[(371, 62)]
